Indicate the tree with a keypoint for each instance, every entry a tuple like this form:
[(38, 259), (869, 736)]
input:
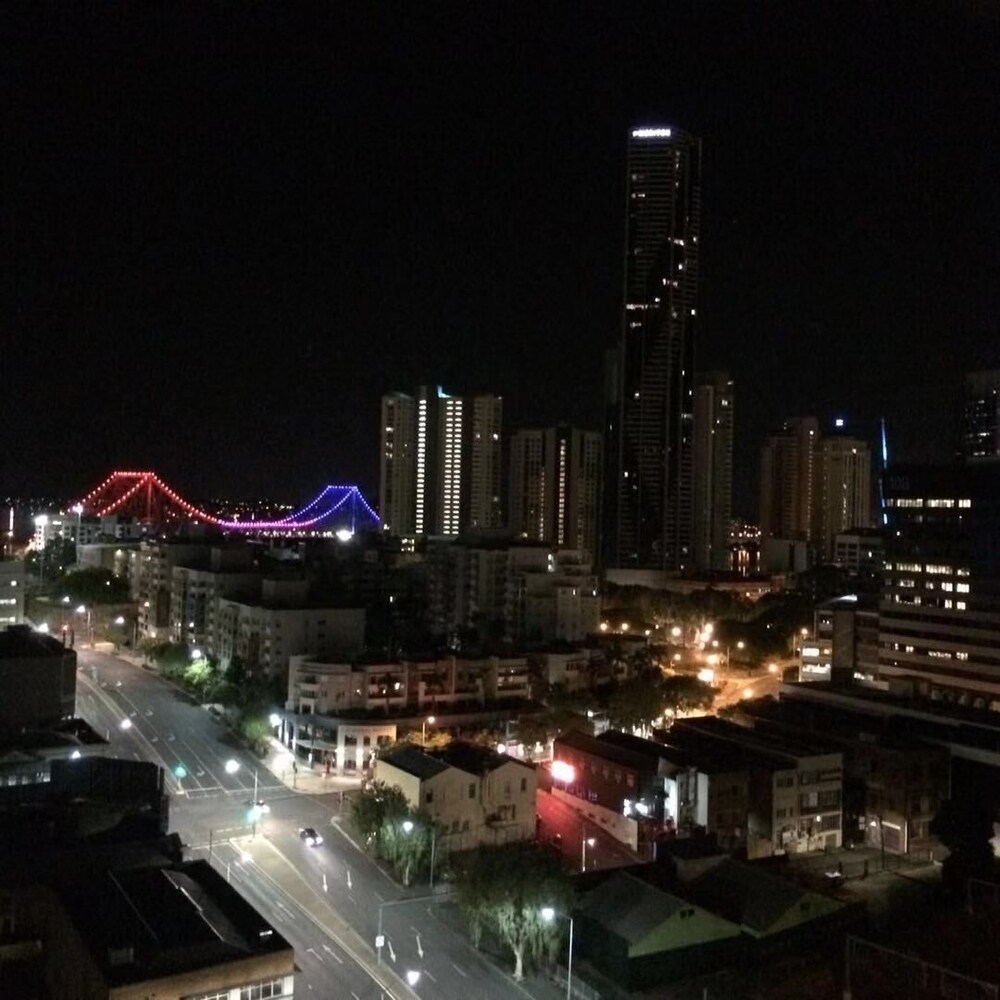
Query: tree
[(255, 730), (377, 803), (682, 694), (405, 842), (504, 889), (635, 704)]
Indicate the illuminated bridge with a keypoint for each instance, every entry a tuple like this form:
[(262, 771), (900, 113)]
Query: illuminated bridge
[(145, 497)]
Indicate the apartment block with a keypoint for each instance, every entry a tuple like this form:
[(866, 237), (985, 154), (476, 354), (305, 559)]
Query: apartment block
[(554, 487)]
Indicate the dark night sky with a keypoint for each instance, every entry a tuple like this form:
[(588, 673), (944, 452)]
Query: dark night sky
[(226, 231)]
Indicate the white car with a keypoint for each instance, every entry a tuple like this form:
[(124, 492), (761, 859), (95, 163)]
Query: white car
[(311, 837)]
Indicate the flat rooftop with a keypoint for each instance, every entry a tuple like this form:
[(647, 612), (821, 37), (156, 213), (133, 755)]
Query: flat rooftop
[(160, 920)]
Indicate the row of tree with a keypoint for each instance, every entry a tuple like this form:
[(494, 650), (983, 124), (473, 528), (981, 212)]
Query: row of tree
[(401, 836), (247, 700)]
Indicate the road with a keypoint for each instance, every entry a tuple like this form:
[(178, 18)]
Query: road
[(324, 899)]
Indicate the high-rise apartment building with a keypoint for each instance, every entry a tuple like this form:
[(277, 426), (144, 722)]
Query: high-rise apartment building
[(843, 494), (553, 490), (981, 416), (649, 431), (814, 486), (939, 618), (397, 464), (440, 462), (788, 480), (713, 470)]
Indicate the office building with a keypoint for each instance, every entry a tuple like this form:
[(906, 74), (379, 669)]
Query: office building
[(649, 429), (981, 416), (939, 618), (554, 487), (713, 470), (440, 462)]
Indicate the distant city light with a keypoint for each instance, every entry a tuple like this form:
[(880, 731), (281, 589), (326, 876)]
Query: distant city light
[(651, 133)]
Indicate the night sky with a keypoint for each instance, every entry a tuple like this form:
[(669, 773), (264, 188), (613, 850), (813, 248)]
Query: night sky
[(226, 231)]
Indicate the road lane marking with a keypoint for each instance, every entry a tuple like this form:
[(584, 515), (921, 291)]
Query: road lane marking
[(461, 972), (331, 952), (429, 976)]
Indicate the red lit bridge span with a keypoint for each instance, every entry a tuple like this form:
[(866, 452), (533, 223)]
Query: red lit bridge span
[(146, 497)]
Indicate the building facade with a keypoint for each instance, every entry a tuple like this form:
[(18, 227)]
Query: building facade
[(713, 470), (649, 432), (440, 462), (939, 617), (788, 480), (981, 416), (473, 794), (843, 494), (554, 487)]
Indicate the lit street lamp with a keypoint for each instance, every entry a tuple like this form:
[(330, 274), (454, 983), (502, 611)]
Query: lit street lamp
[(548, 915), (423, 729), (586, 842), (232, 766)]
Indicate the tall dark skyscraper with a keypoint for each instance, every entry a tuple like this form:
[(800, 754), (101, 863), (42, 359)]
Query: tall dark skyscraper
[(981, 416), (649, 426)]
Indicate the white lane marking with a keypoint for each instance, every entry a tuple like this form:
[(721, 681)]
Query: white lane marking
[(352, 899), (459, 971), (332, 953), (319, 957), (429, 976)]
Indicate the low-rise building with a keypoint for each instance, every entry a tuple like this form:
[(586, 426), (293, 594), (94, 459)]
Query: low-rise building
[(894, 781), (795, 789), (37, 678), (474, 795), (327, 686)]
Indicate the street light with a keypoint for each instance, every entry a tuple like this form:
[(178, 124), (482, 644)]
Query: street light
[(548, 915), (232, 766), (586, 842), (423, 729)]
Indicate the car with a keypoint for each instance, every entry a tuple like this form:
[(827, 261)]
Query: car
[(310, 836)]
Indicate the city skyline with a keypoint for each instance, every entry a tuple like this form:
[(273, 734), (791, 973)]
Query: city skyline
[(228, 235)]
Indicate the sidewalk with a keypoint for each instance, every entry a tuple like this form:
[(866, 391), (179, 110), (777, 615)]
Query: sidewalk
[(301, 777)]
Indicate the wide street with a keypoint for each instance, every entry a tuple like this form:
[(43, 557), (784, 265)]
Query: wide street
[(325, 899)]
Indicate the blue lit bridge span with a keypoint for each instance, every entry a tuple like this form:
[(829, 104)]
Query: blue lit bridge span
[(145, 497)]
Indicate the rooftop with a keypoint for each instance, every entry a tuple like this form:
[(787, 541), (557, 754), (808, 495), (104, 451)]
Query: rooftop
[(629, 907), (159, 920), (17, 641)]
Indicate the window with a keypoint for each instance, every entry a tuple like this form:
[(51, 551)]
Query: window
[(472, 789), (465, 825), (218, 995), (524, 784), (429, 796), (263, 991)]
